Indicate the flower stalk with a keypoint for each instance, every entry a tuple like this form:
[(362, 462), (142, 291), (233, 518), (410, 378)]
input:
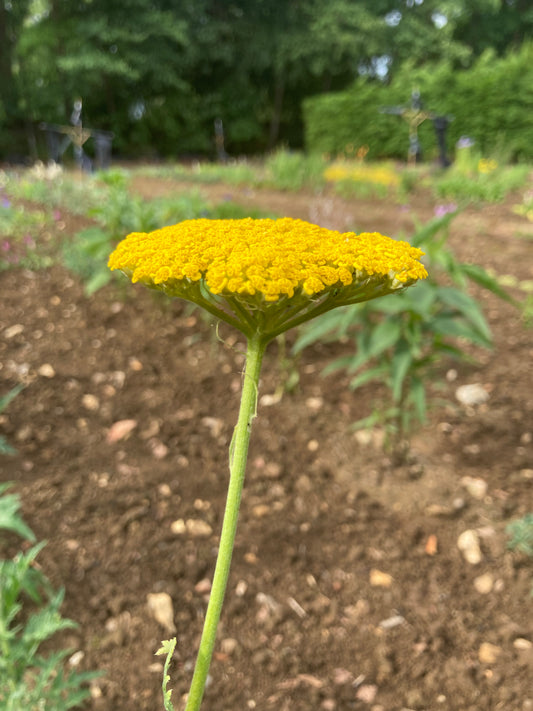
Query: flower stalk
[(237, 465)]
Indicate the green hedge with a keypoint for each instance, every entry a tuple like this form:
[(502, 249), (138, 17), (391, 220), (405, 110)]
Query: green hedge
[(492, 103)]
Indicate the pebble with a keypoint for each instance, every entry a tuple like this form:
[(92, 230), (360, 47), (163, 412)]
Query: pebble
[(269, 400), (367, 693), (272, 470), (379, 579), (14, 330), (314, 403), (260, 510), (468, 544), (432, 545), (46, 370), (90, 402), (76, 659), (476, 487), (156, 668), (159, 450), (135, 364), (203, 586), (342, 676), (195, 527), (214, 425), (162, 610), (484, 583), (522, 644), (228, 645), (241, 588), (488, 653), (392, 622), (473, 394), (120, 430)]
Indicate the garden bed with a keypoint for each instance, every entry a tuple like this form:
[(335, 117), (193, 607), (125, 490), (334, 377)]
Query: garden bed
[(348, 589)]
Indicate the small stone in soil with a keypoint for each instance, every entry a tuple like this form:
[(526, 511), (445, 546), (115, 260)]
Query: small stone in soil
[(46, 370), (90, 402), (379, 579), (488, 653), (484, 583), (162, 610), (472, 394), (468, 544), (476, 487)]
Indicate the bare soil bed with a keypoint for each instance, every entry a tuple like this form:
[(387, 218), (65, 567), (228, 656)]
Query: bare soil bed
[(348, 589)]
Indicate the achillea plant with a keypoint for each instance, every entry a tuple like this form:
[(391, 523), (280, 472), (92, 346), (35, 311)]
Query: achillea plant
[(263, 277)]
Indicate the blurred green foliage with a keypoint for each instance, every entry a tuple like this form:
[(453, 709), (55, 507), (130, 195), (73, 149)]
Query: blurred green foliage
[(158, 73), (491, 102)]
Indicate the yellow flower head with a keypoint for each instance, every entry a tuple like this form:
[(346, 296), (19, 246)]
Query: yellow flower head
[(267, 272)]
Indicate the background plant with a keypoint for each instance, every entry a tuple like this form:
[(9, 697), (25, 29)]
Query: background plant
[(490, 182), (401, 342), (120, 212), (30, 680), (5, 447), (520, 532)]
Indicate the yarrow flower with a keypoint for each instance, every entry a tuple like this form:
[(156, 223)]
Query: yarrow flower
[(267, 275), (263, 277)]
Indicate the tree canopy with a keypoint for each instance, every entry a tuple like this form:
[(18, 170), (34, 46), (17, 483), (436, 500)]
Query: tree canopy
[(158, 73)]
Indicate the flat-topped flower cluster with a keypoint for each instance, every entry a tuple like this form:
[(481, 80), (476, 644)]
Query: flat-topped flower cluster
[(263, 257)]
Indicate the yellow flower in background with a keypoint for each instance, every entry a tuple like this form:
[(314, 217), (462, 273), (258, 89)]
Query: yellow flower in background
[(486, 166), (266, 272), (362, 173)]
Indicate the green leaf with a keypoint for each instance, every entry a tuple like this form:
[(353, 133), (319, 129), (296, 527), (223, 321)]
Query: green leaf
[(401, 362), (97, 281), (11, 395), (329, 325), (451, 326), (480, 276), (378, 373), (467, 306), (9, 516), (383, 336)]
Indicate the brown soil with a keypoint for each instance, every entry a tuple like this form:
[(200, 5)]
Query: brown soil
[(348, 589)]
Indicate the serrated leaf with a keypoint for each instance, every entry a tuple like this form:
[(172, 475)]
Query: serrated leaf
[(9, 516), (167, 647)]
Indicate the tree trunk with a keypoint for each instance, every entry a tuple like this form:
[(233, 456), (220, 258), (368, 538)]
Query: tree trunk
[(279, 92)]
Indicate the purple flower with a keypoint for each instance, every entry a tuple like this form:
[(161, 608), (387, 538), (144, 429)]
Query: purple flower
[(57, 215), (465, 142), (6, 202), (6, 246), (441, 210)]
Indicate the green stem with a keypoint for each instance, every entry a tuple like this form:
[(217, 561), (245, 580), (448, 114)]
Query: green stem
[(237, 465)]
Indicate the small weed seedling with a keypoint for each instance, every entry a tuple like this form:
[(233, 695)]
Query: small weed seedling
[(30, 681)]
